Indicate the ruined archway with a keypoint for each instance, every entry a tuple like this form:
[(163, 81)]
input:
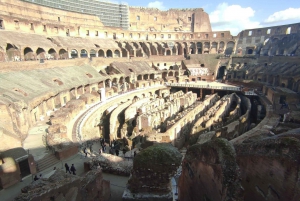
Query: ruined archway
[(199, 48), (28, 54), (83, 53), (40, 53), (74, 53), (52, 54), (168, 52), (63, 54), (229, 48), (12, 53), (221, 47), (109, 53), (101, 53), (213, 49), (93, 53), (124, 52), (117, 53)]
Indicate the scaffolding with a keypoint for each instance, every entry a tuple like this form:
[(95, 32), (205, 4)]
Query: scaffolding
[(110, 14)]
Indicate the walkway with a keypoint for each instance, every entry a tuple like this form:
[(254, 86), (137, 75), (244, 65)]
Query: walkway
[(205, 85)]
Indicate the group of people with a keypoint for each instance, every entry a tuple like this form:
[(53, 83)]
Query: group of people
[(72, 169)]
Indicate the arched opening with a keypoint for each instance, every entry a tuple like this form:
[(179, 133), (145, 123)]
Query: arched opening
[(168, 52), (93, 53), (184, 52), (40, 53), (12, 53), (74, 53), (146, 77), (221, 72), (170, 74), (288, 30), (199, 48), (108, 53), (52, 54), (152, 76), (213, 49), (124, 53), (174, 50), (63, 54), (221, 47), (83, 53), (229, 49), (140, 77), (101, 53), (28, 54), (250, 51), (117, 53)]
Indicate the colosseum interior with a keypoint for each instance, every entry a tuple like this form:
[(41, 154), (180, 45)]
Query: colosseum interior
[(148, 105)]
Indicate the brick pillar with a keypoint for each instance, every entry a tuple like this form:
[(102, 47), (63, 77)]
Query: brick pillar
[(186, 89), (201, 93)]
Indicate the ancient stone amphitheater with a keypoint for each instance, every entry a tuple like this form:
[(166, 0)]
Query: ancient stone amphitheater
[(216, 114)]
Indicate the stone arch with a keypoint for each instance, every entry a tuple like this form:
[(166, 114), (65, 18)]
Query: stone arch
[(101, 53), (40, 53), (93, 53), (168, 52), (124, 53), (117, 53), (174, 50), (229, 48), (12, 52), (63, 54), (250, 51), (146, 76), (74, 53), (160, 50), (153, 50), (199, 47), (109, 53), (139, 77), (206, 48), (52, 54), (28, 54), (145, 48), (152, 76), (221, 47), (83, 53), (192, 48), (214, 46)]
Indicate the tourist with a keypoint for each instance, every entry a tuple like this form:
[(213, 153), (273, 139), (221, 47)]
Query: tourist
[(134, 153), (117, 152), (67, 168), (35, 178), (73, 169), (100, 151), (124, 151), (85, 152)]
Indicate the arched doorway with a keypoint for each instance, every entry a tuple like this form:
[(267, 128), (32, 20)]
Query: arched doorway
[(28, 54), (52, 54), (199, 48), (124, 53), (40, 53), (168, 52), (116, 53), (250, 51), (108, 53), (101, 53), (83, 53), (74, 53), (221, 72), (63, 54), (93, 53), (12, 53)]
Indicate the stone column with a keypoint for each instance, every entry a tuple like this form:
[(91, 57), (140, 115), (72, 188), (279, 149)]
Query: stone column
[(201, 92)]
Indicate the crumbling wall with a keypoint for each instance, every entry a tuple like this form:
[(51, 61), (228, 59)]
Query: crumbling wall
[(270, 169), (62, 186), (210, 172)]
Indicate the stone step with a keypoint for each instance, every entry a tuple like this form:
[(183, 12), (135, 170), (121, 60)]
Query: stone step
[(46, 162)]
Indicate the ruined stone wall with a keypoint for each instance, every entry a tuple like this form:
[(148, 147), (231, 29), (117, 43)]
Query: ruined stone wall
[(260, 40), (153, 19), (212, 168), (19, 15), (241, 125), (62, 186), (269, 169)]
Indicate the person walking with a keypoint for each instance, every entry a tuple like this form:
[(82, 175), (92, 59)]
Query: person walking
[(67, 168), (85, 152), (73, 169)]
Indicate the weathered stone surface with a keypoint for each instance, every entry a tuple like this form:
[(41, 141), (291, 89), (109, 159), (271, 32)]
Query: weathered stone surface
[(61, 186), (153, 168), (112, 164), (210, 172), (270, 169)]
